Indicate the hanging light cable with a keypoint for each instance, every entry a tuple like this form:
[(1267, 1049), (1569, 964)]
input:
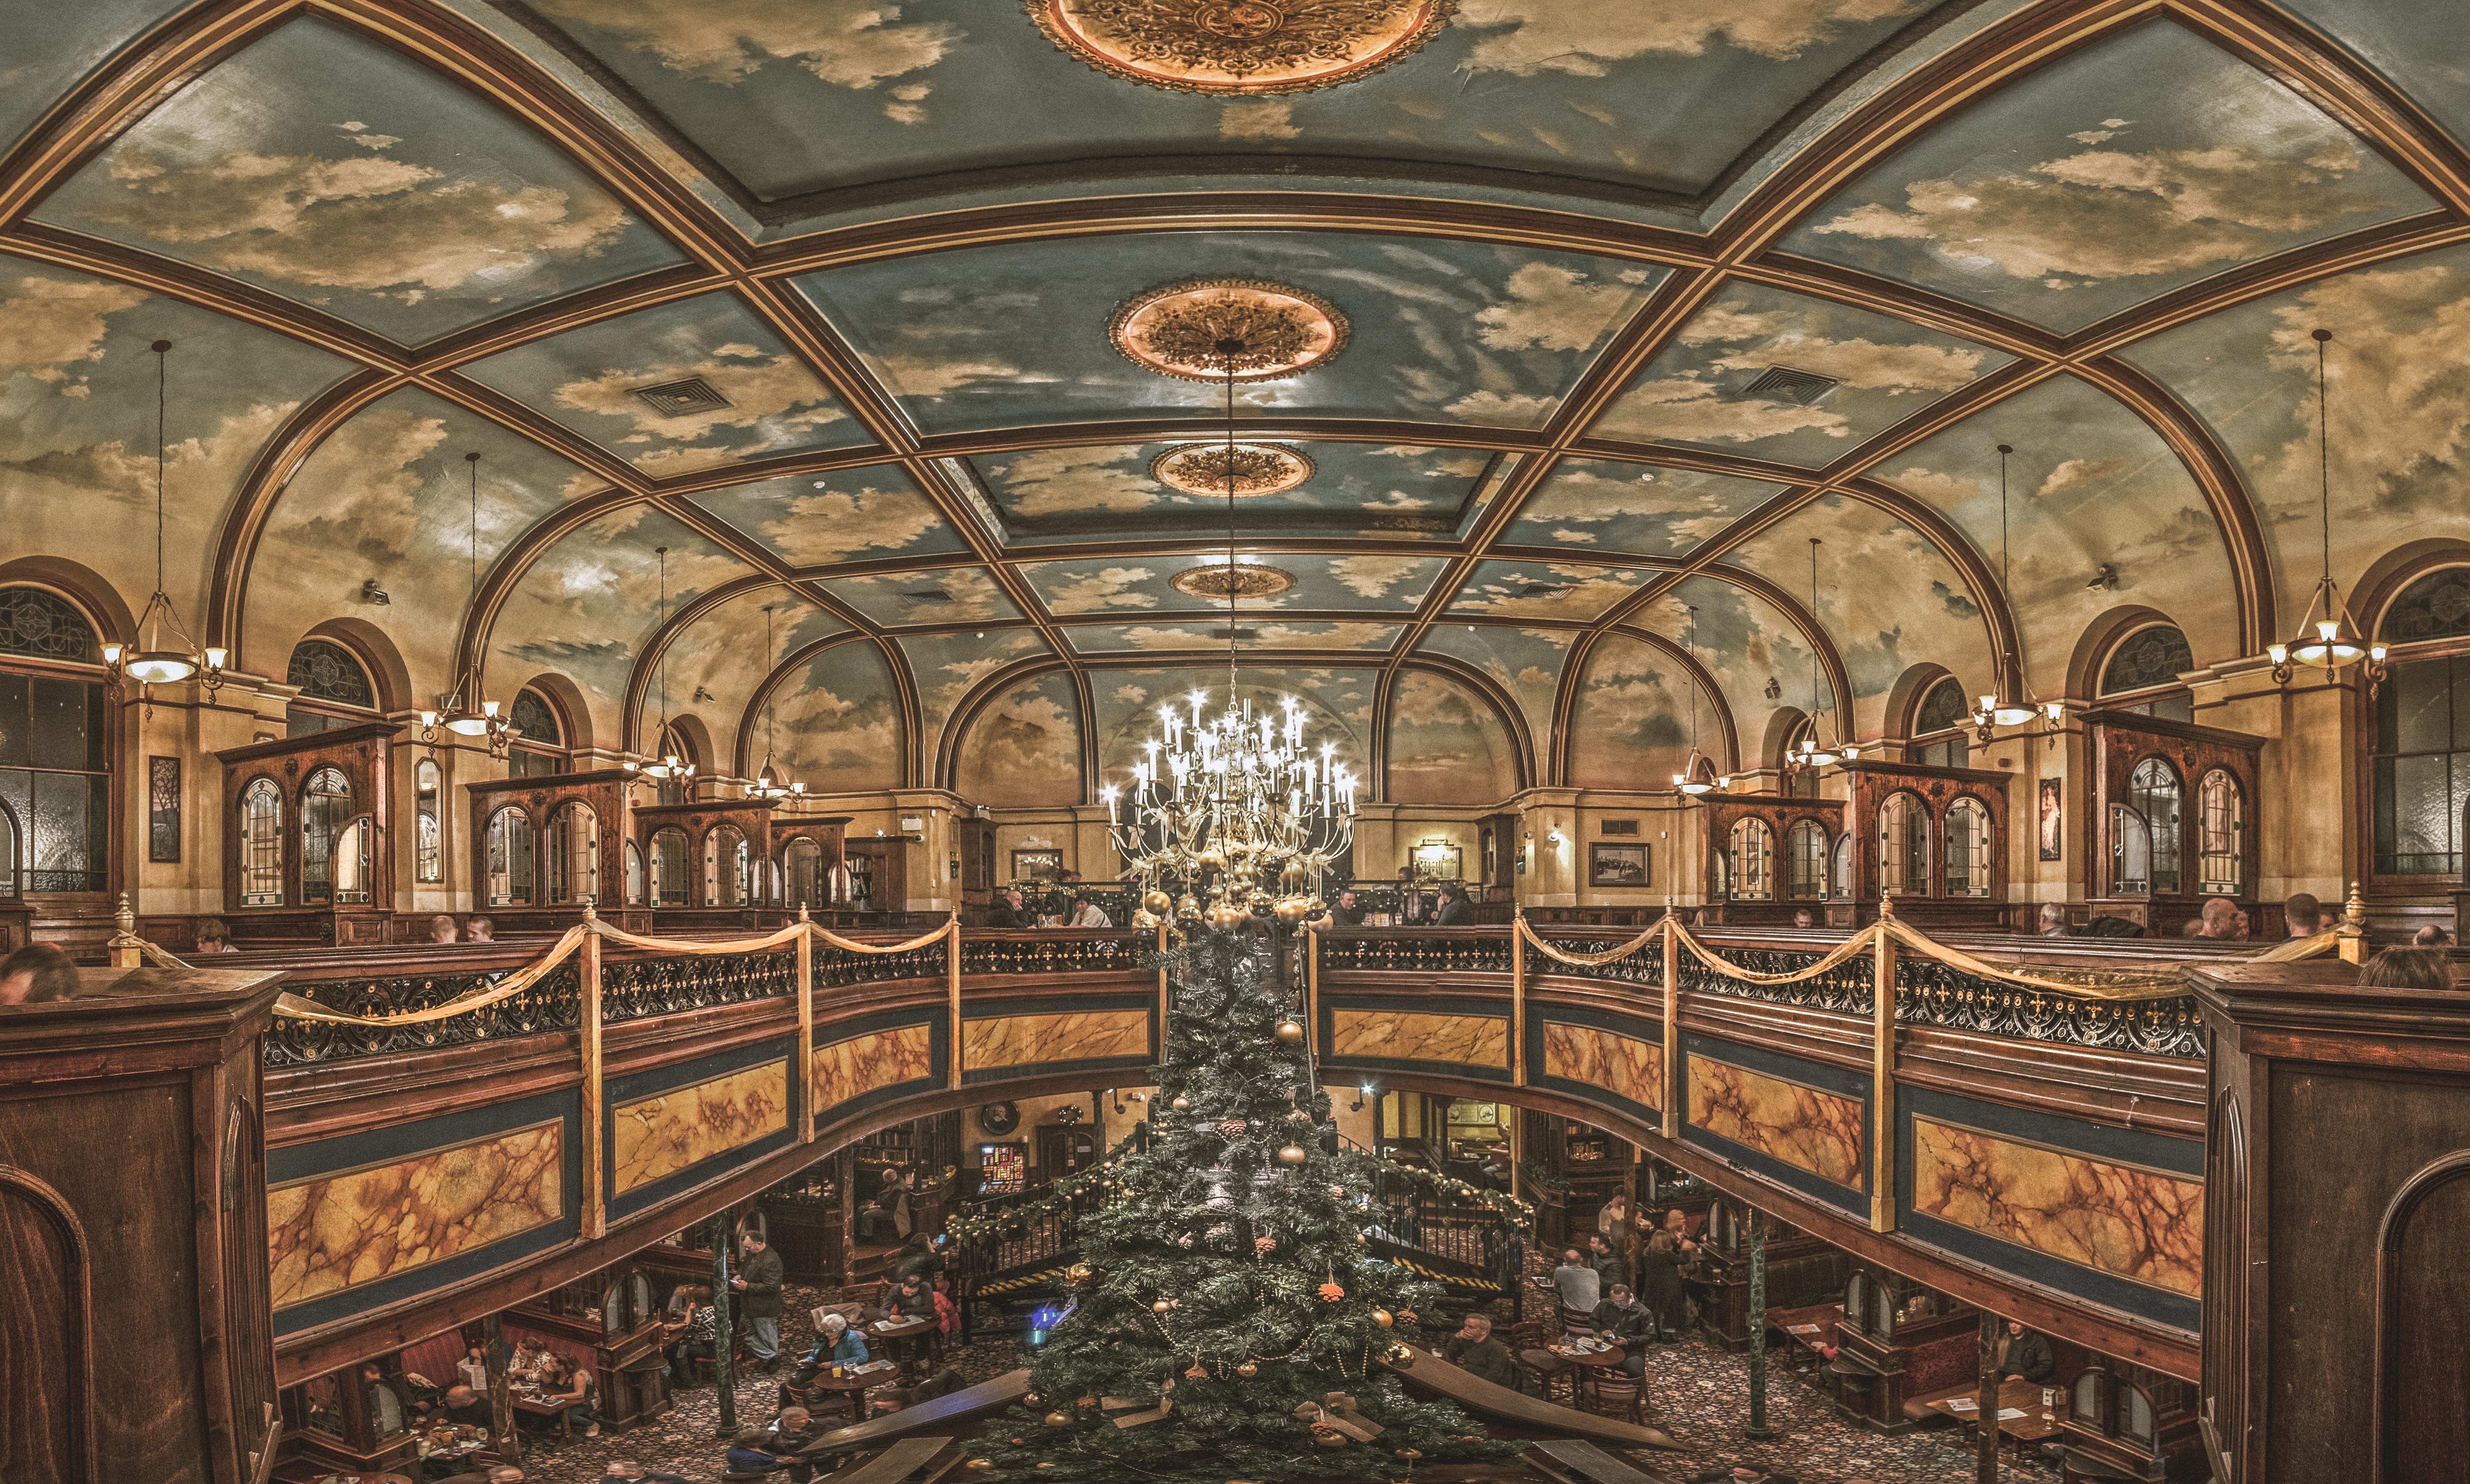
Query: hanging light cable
[(1991, 711), (768, 783), (1811, 754), (1688, 779), (152, 663), (670, 764), (2330, 646), (466, 713)]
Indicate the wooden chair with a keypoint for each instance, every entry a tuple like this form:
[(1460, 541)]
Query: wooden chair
[(1608, 1391), (1575, 1321), (1555, 1378)]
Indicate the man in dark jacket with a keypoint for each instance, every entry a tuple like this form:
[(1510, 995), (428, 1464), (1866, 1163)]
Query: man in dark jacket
[(1625, 1321), (920, 1258), (2022, 1353), (1009, 910), (757, 1281), (1455, 911), (1474, 1351)]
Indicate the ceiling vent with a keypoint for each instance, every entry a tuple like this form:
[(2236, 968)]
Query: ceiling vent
[(1542, 589), (1782, 384), (929, 595), (681, 399), (1238, 635)]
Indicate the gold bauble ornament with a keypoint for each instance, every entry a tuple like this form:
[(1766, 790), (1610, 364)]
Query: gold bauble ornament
[(1162, 1305), (1210, 860), (1292, 1154), (980, 1465), (1247, 1370), (1033, 1399), (1400, 1355), (1225, 915), (1382, 1318), (1181, 1105), (1329, 1437), (1058, 1419), (1314, 906), (1187, 904), (1410, 1454), (1290, 910), (1156, 902), (1143, 917), (1288, 1032), (1294, 878), (1079, 1272)]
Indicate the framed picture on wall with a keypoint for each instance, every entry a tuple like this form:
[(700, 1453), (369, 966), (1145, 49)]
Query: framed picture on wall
[(1036, 864), (2051, 822), (1620, 865)]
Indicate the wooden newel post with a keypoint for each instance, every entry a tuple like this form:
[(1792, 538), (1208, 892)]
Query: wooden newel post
[(124, 948), (804, 1060), (2354, 927), (1518, 995), (505, 1440), (1758, 1429), (1882, 1073), (952, 992), (595, 1152), (1986, 1404), (724, 1331), (1676, 1082)]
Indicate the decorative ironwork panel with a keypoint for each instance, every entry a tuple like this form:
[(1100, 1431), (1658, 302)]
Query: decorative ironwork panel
[(45, 626), (637, 989), (1405, 951), (1643, 968), (326, 671), (1844, 990), (1931, 994), (554, 1003), (1074, 954), (163, 809), (2151, 657), (835, 967)]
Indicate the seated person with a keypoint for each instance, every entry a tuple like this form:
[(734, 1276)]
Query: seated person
[(1801, 919), (477, 930), (2430, 936), (748, 1453), (473, 1367), (1623, 1320), (2222, 918), (1455, 909), (1087, 913), (37, 974), (462, 1407), (836, 1344), (626, 1471), (2303, 915), (213, 937), (1581, 1287), (2053, 920), (2022, 1353), (570, 1384), (689, 1330), (441, 929), (1008, 911), (910, 1299), (885, 1207), (531, 1356), (2406, 968), (789, 1433), (1345, 912), (1474, 1351)]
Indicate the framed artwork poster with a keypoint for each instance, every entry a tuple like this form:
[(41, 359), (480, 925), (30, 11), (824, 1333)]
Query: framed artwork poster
[(1036, 864), (2050, 823), (1620, 864)]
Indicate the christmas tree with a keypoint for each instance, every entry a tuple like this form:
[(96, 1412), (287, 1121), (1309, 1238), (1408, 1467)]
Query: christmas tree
[(1226, 1320)]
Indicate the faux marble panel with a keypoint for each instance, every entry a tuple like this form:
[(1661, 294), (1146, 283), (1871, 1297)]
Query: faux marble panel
[(862, 1063), (1806, 1129), (1081, 1036), (658, 1136), (1617, 1063), (339, 1231), (1475, 1040), (2138, 1224)]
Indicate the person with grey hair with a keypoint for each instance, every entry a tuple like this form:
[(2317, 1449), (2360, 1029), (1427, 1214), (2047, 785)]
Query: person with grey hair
[(441, 929), (836, 1344), (2054, 920)]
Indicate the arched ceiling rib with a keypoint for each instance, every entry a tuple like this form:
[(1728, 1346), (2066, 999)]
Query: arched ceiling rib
[(1698, 271)]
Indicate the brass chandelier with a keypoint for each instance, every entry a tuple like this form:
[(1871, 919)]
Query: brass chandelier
[(1217, 804)]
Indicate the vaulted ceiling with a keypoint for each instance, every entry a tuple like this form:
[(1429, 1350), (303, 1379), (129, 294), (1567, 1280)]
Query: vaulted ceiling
[(908, 502)]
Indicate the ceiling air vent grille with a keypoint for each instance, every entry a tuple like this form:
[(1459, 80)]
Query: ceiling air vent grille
[(1782, 384), (678, 398), (1238, 635)]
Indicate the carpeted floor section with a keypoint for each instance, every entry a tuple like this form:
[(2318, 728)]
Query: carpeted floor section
[(1698, 1392)]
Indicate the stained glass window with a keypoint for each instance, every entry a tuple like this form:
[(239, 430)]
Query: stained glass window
[(45, 626), (2436, 606), (429, 863), (537, 720), (509, 849), (325, 807), (1904, 847), (1967, 848), (574, 855), (9, 846), (2145, 847), (802, 864), (2220, 828), (163, 809), (724, 868), (54, 778), (1752, 861), (261, 845), (327, 671), (670, 868), (1945, 707), (1805, 858), (2147, 660)]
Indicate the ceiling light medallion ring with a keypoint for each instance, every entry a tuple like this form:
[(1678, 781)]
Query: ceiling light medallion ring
[(1252, 469), (1216, 329), (1240, 47), (1223, 582)]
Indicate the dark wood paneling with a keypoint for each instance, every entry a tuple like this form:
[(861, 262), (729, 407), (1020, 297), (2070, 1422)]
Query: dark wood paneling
[(44, 1332), (2424, 1390)]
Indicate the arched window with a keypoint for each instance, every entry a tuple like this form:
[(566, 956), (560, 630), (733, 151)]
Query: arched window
[(2434, 606), (428, 862), (55, 756), (325, 808), (574, 855), (11, 878), (1752, 861), (2086, 1406), (541, 748), (261, 843), (670, 867), (1903, 846), (508, 843), (2146, 824), (1839, 883), (2221, 834), (1967, 848), (2141, 674), (1938, 725), (2136, 1420), (2422, 766), (724, 867), (1804, 856), (335, 689), (634, 874), (1854, 1290), (802, 864)]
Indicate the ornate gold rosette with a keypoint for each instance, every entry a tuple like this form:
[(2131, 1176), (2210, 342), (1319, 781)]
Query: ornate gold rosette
[(1239, 46), (1206, 327), (1259, 469), (1219, 582)]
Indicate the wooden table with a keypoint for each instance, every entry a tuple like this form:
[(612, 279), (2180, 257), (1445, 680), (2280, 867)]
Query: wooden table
[(902, 1333), (1811, 1327), (2016, 1394), (532, 1405), (852, 1387)]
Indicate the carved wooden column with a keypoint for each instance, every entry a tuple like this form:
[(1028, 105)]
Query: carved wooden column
[(132, 1234), (2337, 1209)]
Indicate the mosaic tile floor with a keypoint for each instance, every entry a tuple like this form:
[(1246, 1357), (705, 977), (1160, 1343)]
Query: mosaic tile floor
[(1696, 1389)]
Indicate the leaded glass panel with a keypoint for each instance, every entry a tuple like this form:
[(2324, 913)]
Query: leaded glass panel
[(45, 626), (326, 671)]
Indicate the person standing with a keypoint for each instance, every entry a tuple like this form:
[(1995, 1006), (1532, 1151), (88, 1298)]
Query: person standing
[(1659, 1280), (758, 1279)]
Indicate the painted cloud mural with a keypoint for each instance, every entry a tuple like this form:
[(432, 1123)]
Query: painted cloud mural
[(1609, 505), (1446, 744), (839, 721), (1023, 748)]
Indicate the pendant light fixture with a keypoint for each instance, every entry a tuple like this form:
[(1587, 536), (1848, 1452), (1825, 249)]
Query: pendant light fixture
[(2324, 642), (670, 765), (1993, 712), (464, 711), (768, 783), (1810, 754), (1688, 779), (152, 663)]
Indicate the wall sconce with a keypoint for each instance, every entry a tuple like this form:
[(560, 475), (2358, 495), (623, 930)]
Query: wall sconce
[(1362, 1095), (1117, 1096)]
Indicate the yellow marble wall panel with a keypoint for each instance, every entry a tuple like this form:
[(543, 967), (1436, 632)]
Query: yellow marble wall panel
[(862, 1063), (1617, 1063), (2138, 1224), (1472, 1040), (1806, 1129), (658, 1136), (1077, 1036), (338, 1231)]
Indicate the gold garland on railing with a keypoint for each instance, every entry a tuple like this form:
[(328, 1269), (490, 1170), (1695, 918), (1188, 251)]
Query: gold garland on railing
[(294, 1006)]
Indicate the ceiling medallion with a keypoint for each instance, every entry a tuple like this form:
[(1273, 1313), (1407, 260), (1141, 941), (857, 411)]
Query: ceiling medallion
[(1226, 583), (1211, 329), (1259, 469), (1239, 46)]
